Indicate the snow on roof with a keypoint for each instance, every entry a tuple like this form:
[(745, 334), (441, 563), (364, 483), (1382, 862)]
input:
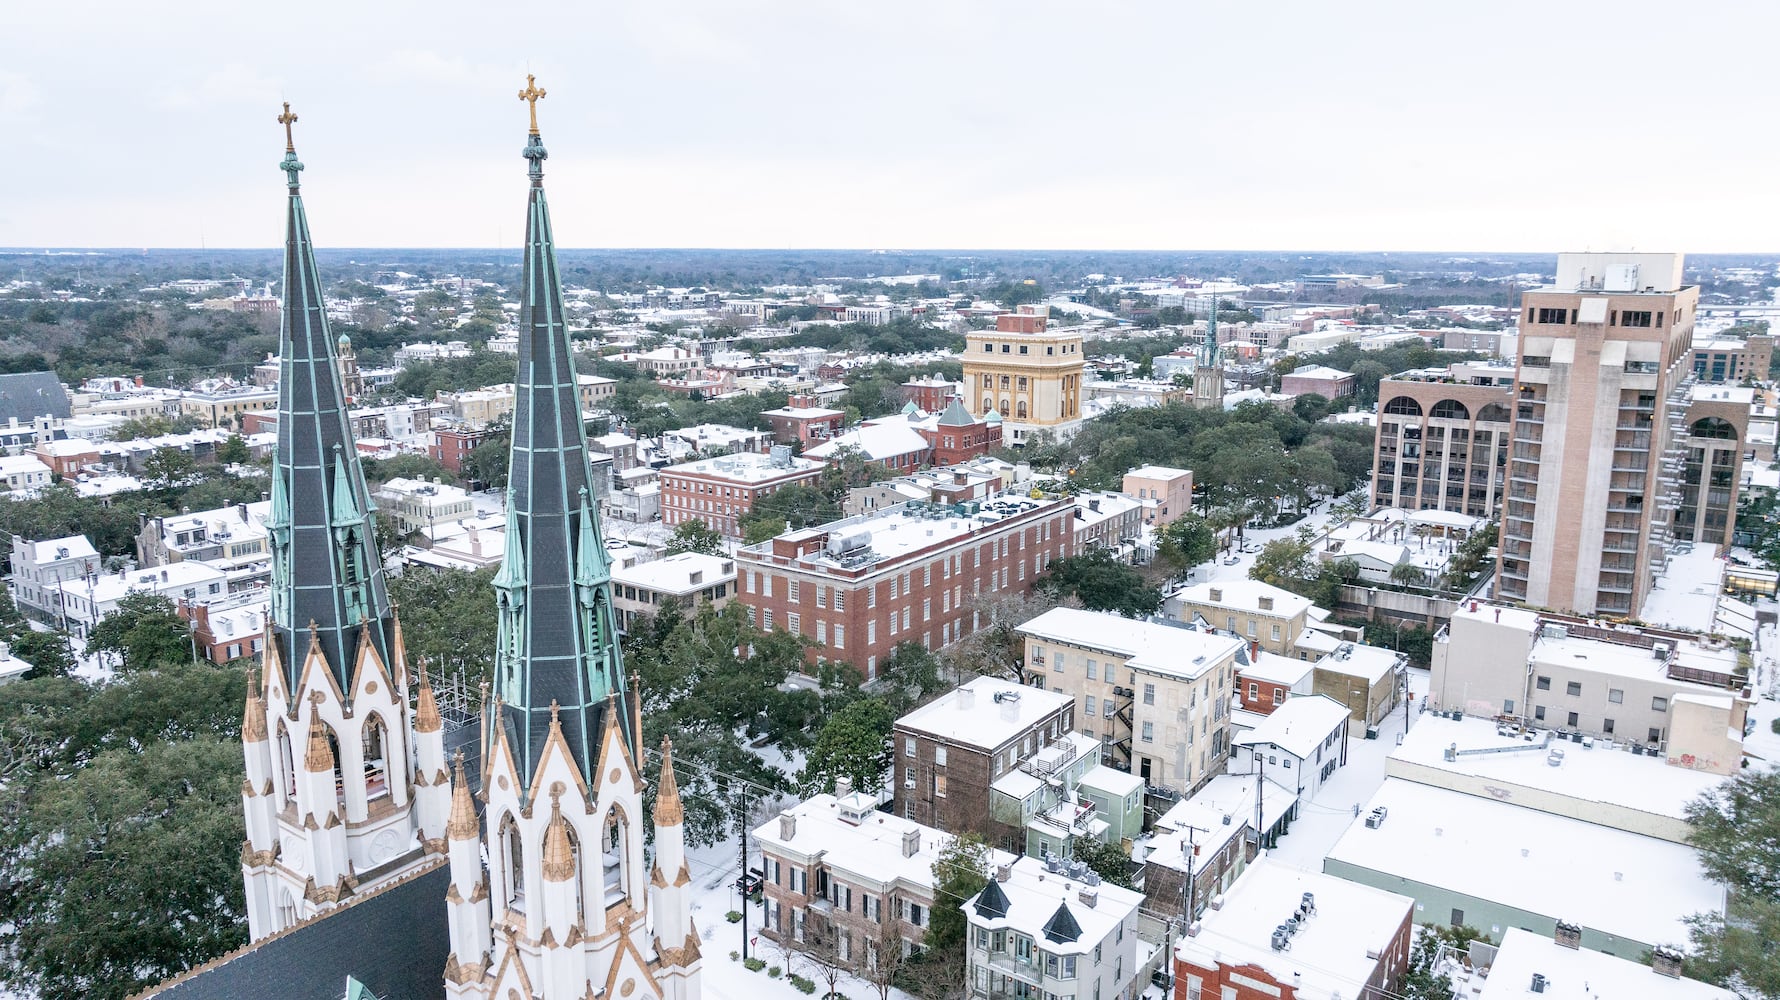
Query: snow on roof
[(972, 715), (744, 467), (1318, 641), (1445, 518), (1245, 595), (1231, 795), (1625, 884), (1574, 652), (1328, 952), (1685, 594), (1588, 774), (1152, 646), (1299, 726), (1360, 660), (1035, 897), (877, 441), (78, 547), (871, 851), (1580, 974), (1276, 669), (1319, 371), (675, 574), (1157, 472)]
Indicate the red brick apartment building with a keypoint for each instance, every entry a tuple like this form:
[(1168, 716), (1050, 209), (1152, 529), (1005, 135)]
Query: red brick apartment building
[(451, 447), (861, 585), (719, 491)]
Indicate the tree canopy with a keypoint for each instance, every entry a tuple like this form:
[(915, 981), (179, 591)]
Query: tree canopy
[(1100, 583), (143, 632)]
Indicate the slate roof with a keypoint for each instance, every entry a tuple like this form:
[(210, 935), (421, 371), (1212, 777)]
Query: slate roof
[(395, 941), (992, 903), (1062, 926), (558, 642), (25, 396)]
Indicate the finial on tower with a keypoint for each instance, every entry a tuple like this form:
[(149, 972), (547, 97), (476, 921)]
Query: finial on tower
[(559, 853), (290, 164), (288, 119), (531, 95), (668, 810), (462, 824)]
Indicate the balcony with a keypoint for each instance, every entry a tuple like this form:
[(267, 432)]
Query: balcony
[(1005, 964)]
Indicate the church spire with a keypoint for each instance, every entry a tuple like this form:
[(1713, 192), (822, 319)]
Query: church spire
[(325, 567), (558, 639)]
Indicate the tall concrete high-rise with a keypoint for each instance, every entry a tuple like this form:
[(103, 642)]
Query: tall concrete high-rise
[(1599, 434)]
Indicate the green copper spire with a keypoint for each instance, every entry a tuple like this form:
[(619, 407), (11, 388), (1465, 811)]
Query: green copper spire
[(558, 639), (325, 568)]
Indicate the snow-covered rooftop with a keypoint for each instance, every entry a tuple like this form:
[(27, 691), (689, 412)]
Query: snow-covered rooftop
[(1152, 646), (1360, 660), (1634, 887), (1299, 726), (1685, 594), (1273, 668), (1246, 596), (881, 847), (974, 715), (1328, 954), (682, 573), (1227, 795), (1580, 974), (1034, 897), (1595, 773)]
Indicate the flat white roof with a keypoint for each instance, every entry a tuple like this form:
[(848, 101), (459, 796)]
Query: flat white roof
[(673, 574), (1231, 795), (1275, 669), (872, 849), (1685, 594), (1300, 725), (1575, 652), (1245, 595), (1329, 949), (897, 531), (1167, 649), (971, 715), (1357, 659), (744, 467), (1158, 472), (1632, 886), (1589, 774), (77, 545), (1580, 974)]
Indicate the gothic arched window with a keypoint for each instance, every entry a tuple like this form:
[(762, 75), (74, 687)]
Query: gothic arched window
[(375, 745), (513, 848)]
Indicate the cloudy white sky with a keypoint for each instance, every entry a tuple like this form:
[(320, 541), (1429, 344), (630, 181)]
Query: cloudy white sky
[(1176, 124)]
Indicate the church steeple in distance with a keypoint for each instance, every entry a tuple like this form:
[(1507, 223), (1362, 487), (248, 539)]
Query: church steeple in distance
[(326, 574), (558, 638)]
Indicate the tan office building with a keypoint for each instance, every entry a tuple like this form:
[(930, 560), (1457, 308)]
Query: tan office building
[(1029, 375), (1599, 436)]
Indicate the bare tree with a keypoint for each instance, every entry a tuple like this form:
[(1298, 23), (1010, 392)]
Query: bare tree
[(828, 952), (996, 648), (884, 959)]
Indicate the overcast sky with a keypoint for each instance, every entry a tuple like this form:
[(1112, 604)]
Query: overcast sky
[(1265, 124)]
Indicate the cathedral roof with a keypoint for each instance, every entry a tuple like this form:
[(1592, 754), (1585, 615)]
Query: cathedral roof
[(325, 566), (394, 939), (558, 641)]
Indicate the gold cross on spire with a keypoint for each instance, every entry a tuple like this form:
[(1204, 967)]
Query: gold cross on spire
[(531, 95), (286, 119)]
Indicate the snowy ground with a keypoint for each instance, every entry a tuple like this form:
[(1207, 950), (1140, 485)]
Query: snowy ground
[(1322, 821)]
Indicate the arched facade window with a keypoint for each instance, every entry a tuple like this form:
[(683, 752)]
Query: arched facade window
[(1713, 427), (988, 403), (287, 910), (612, 847), (1021, 409), (1450, 409), (1403, 406), (1494, 413)]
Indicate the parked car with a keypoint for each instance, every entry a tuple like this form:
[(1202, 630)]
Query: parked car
[(1231, 560)]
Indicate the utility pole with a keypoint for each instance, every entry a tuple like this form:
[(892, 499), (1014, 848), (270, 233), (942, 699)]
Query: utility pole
[(1191, 851), (1260, 796), (742, 877)]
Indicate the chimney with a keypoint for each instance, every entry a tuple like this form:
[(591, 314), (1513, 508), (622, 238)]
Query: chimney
[(1665, 961), (787, 826), (1003, 872), (1266, 603), (1217, 594), (1088, 896), (911, 842), (843, 787), (967, 699), (1568, 935), (241, 511), (1010, 709)]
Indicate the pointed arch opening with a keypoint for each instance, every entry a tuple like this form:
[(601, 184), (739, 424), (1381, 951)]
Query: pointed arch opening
[(580, 886), (339, 779), (613, 845), (287, 766), (375, 744), (512, 847), (287, 910)]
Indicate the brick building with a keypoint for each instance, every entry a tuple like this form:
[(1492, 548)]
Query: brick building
[(802, 421), (1319, 380), (719, 491), (931, 392), (861, 585), (948, 752), (1168, 493), (956, 436), (451, 447), (1343, 939), (1268, 679), (229, 629)]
